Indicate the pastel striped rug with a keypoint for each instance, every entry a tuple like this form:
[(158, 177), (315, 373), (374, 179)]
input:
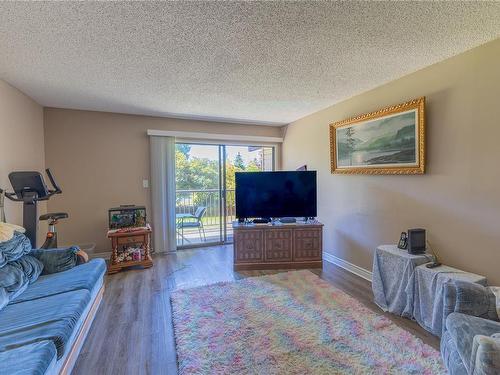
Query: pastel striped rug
[(290, 323)]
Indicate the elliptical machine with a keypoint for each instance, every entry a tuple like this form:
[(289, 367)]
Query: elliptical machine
[(30, 188)]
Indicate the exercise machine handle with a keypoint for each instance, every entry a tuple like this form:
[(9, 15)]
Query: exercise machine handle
[(12, 196), (57, 189)]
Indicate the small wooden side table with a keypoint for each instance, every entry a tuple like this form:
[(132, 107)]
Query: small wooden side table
[(121, 239)]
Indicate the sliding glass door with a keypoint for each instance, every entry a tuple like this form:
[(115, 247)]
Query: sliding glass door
[(205, 189), (198, 180)]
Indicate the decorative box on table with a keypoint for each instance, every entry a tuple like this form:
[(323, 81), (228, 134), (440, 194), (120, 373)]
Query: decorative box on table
[(131, 247), (127, 216)]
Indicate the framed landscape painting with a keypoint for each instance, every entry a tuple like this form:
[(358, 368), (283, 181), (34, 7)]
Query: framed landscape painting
[(388, 141)]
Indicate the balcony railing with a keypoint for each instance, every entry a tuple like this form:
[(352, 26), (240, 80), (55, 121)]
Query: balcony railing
[(187, 201)]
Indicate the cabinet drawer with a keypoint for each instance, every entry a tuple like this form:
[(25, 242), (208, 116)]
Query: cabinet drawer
[(278, 245), (307, 244), (130, 240), (248, 246)]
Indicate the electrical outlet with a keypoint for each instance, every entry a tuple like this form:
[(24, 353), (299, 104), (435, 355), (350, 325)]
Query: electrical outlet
[(145, 184)]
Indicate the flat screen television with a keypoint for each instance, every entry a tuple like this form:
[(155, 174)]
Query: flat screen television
[(276, 194)]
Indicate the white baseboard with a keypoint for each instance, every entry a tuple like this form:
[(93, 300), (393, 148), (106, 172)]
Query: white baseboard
[(359, 271)]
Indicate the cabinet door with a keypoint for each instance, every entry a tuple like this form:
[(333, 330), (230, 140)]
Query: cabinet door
[(248, 246), (278, 245), (307, 244)]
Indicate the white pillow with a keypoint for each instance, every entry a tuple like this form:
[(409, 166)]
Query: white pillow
[(7, 231)]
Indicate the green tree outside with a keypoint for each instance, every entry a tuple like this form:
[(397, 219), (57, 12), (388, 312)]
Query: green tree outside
[(238, 162)]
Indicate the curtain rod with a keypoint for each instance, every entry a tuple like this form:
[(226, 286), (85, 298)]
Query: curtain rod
[(213, 136)]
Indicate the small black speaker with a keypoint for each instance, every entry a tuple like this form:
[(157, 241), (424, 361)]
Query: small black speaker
[(416, 241)]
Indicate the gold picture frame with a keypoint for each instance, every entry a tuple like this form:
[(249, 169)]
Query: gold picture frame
[(388, 141)]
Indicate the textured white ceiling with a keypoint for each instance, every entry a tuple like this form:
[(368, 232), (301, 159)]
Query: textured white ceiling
[(270, 62)]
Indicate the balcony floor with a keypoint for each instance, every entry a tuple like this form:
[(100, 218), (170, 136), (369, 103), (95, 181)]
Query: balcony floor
[(212, 235)]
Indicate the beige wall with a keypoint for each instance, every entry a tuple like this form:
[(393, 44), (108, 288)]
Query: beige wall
[(21, 143), (100, 160), (457, 200)]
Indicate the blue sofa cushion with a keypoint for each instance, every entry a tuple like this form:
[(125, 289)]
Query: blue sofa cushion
[(463, 328), (85, 276), (32, 359), (51, 318)]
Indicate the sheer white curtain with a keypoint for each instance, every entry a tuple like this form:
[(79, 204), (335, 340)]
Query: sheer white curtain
[(163, 192)]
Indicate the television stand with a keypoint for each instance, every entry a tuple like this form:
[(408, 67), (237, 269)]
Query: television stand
[(267, 246)]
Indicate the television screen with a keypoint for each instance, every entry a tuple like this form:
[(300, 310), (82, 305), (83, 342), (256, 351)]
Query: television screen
[(275, 194)]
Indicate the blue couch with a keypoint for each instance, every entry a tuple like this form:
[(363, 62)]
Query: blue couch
[(43, 327), (470, 343)]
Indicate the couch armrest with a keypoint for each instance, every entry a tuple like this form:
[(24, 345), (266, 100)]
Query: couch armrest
[(57, 260), (485, 357)]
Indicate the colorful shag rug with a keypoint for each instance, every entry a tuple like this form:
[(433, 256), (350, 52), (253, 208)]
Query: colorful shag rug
[(290, 323)]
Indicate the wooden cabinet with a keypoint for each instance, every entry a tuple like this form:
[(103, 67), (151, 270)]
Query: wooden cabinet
[(265, 246), (122, 239)]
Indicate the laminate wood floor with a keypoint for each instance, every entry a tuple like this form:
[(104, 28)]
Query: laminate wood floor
[(132, 332)]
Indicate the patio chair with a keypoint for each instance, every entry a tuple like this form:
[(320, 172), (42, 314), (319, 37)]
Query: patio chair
[(192, 221)]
